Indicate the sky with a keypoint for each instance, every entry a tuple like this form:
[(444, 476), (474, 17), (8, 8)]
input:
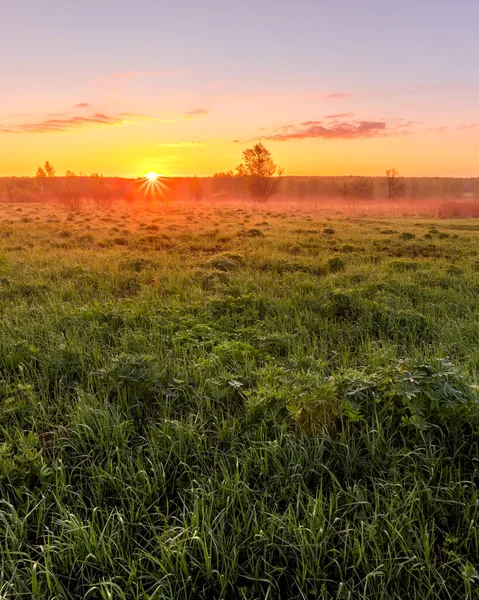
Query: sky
[(350, 87)]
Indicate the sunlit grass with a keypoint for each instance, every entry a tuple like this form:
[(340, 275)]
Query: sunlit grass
[(233, 401)]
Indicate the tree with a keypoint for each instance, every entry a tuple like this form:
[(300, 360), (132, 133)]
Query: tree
[(260, 173), (360, 187), (49, 169), (69, 173), (46, 171), (396, 186), (195, 188)]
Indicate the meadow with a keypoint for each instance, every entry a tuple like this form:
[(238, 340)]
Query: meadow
[(237, 401)]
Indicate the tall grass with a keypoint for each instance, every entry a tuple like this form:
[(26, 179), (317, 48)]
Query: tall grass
[(202, 411)]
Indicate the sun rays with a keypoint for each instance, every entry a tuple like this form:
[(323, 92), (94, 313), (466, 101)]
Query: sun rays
[(152, 186)]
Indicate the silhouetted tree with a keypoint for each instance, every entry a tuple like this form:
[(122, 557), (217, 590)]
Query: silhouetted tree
[(359, 187), (43, 173), (196, 189), (70, 173), (260, 173), (396, 186)]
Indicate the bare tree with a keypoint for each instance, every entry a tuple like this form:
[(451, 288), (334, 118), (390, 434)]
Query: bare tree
[(99, 192), (396, 185), (359, 187), (260, 173)]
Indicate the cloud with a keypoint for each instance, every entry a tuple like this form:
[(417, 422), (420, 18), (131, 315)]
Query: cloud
[(63, 124), (197, 112), (84, 116), (346, 115), (453, 128), (339, 126), (468, 126)]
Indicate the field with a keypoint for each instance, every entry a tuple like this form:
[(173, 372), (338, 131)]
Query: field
[(237, 401)]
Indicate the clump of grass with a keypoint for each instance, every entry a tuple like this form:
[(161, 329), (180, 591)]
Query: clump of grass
[(223, 262), (120, 241), (253, 233), (336, 264), (137, 265)]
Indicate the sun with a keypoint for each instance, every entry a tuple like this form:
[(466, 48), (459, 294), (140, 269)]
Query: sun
[(153, 186)]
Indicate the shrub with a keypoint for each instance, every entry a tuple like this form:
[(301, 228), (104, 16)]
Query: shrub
[(412, 395)]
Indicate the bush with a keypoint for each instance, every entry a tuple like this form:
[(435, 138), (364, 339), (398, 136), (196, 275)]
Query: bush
[(410, 395)]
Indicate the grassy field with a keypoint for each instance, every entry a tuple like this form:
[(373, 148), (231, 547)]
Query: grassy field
[(237, 402)]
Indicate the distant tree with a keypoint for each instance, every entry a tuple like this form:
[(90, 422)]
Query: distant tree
[(396, 185), (49, 169), (226, 183), (70, 173), (260, 173), (359, 187), (196, 189), (43, 173), (222, 175), (70, 196)]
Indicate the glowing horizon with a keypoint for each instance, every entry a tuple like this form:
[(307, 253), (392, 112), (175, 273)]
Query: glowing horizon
[(339, 98)]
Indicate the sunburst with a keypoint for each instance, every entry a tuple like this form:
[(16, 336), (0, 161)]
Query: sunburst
[(152, 185)]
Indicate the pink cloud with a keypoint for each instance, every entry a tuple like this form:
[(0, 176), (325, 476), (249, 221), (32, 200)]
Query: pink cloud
[(198, 112), (62, 124), (335, 130), (468, 126), (346, 115)]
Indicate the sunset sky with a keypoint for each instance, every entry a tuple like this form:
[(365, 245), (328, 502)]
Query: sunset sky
[(123, 87)]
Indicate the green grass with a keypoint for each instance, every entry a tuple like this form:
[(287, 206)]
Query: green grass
[(239, 403)]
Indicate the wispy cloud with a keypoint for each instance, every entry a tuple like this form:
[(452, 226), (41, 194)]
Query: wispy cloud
[(140, 117), (468, 126), (197, 112), (338, 126), (62, 124), (453, 128), (318, 129), (83, 115), (346, 115)]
